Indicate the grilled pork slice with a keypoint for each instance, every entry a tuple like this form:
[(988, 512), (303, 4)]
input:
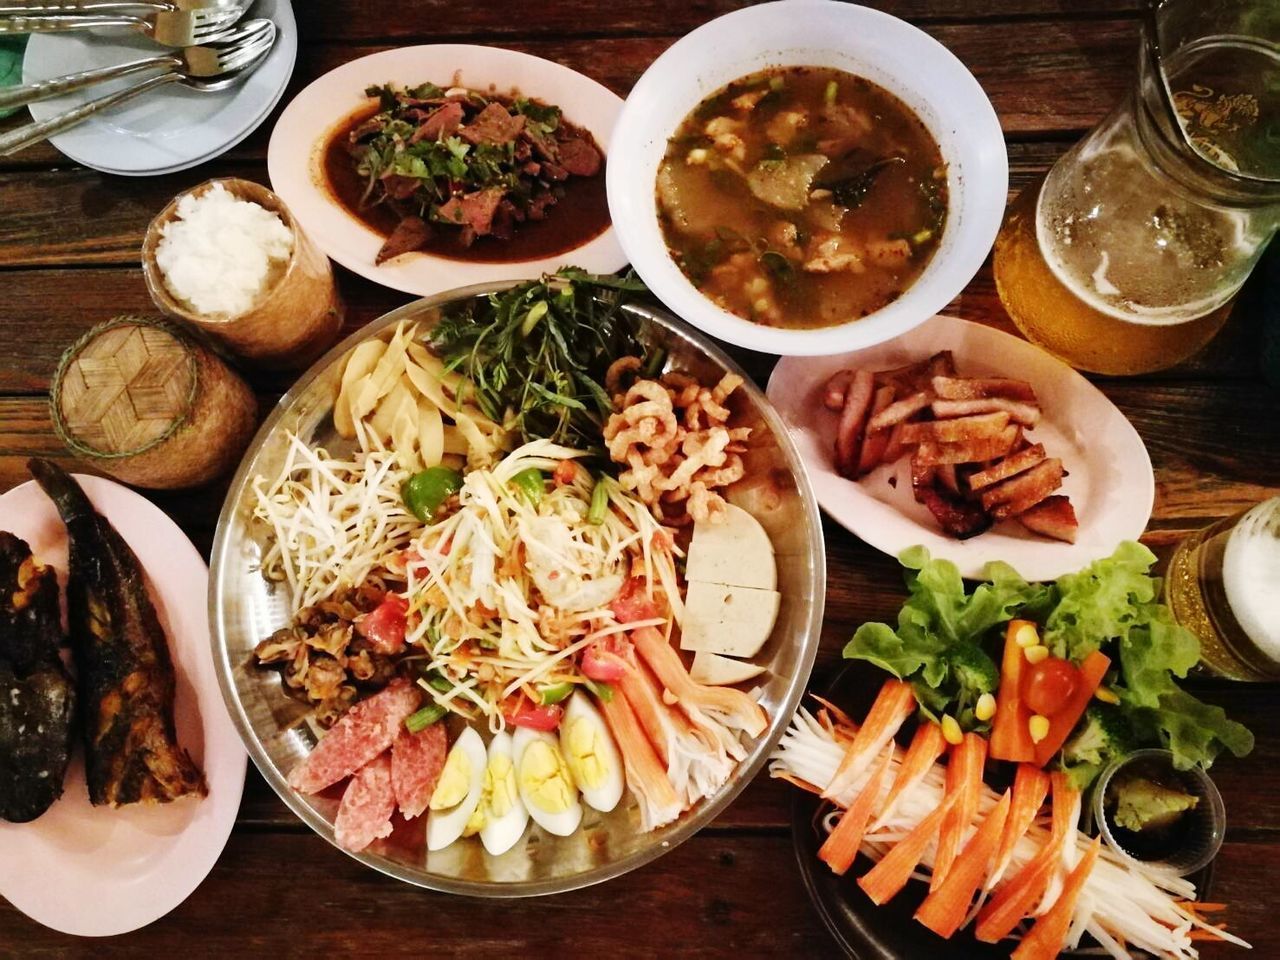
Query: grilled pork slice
[(1011, 465), (982, 388), (1024, 413), (37, 697), (960, 518), (1052, 517), (1022, 492), (126, 679)]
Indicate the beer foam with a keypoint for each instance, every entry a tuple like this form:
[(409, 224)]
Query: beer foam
[(1250, 573)]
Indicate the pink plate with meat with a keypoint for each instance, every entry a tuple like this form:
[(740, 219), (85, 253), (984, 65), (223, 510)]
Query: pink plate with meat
[(1107, 473), (96, 871), (317, 177)]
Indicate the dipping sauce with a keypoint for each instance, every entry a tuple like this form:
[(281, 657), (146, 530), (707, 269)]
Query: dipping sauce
[(579, 212), (802, 197)]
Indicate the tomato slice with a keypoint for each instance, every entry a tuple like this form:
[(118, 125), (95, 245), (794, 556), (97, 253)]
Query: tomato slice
[(1050, 685), (634, 603), (601, 662), (384, 626), (565, 473), (523, 713)]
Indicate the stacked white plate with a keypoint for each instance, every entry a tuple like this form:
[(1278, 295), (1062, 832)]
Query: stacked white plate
[(170, 129)]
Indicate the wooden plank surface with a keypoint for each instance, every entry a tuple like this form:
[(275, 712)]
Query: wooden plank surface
[(68, 258)]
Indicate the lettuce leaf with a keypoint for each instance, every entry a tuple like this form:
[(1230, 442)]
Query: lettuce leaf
[(945, 637), (938, 643)]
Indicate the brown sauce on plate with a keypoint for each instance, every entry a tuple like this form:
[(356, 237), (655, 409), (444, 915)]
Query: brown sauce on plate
[(581, 214)]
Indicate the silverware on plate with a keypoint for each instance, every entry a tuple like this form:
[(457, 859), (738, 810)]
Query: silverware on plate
[(218, 66), (170, 28), (202, 61), (41, 8)]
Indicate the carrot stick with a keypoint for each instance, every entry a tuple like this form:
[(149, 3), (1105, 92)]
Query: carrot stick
[(1010, 734), (926, 747), (1015, 899), (841, 847), (944, 909), (886, 879), (1049, 933), (895, 702), (964, 776), (1092, 670), (1030, 787)]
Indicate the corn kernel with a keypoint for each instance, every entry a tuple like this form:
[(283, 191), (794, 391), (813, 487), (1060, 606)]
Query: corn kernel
[(985, 708), (697, 156), (1037, 653), (951, 730), (1106, 695), (1026, 636), (1038, 727)]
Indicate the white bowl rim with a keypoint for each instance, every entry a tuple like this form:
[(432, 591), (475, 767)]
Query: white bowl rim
[(975, 152)]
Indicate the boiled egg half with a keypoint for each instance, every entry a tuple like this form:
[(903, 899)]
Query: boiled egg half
[(502, 813), (591, 754), (546, 785), (458, 792)]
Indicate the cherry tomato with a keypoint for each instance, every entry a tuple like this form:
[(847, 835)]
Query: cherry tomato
[(565, 473), (633, 603), (1049, 685), (384, 626), (602, 662), (523, 713)]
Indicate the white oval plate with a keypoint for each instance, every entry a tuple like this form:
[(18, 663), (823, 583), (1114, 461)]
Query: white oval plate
[(172, 129), (94, 871), (1111, 483), (899, 57), (295, 158)]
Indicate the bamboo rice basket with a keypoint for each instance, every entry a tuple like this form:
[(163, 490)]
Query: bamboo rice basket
[(144, 401)]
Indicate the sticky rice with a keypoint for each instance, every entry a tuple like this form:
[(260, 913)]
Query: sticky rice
[(220, 254)]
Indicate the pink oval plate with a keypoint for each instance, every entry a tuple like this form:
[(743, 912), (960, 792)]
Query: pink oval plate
[(94, 871)]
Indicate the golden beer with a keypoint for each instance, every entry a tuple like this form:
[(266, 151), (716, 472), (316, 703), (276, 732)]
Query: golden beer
[(1223, 585), (1049, 314)]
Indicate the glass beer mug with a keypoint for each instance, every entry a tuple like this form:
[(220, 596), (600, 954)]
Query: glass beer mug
[(1127, 257), (1223, 585)]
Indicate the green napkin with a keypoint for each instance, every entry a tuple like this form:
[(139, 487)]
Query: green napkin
[(11, 63)]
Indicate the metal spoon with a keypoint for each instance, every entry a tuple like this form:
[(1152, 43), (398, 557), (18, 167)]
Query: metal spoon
[(235, 61), (202, 61)]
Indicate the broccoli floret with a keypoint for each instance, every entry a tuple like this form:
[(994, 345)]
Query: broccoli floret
[(974, 671), (1137, 803), (1103, 736)]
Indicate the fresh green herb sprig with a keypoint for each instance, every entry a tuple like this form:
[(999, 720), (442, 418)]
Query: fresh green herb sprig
[(538, 352)]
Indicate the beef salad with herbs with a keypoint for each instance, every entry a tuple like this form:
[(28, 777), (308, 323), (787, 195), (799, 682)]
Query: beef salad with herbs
[(458, 165)]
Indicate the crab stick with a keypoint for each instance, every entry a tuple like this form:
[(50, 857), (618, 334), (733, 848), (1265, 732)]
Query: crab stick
[(732, 706), (1015, 899), (886, 879), (964, 777), (1030, 787), (944, 909), (841, 847), (645, 774), (925, 749), (1048, 935), (894, 704)]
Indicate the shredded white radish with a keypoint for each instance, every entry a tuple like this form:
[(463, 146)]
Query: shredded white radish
[(1123, 906)]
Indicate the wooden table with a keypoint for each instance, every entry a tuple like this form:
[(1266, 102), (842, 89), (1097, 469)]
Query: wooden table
[(69, 241)]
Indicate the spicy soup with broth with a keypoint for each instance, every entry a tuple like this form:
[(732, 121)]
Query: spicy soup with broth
[(802, 197)]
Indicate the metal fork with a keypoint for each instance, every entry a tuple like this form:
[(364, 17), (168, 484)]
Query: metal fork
[(170, 28), (218, 66), (40, 8), (202, 61)]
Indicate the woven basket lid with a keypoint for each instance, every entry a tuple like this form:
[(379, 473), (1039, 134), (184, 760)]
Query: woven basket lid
[(125, 386)]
